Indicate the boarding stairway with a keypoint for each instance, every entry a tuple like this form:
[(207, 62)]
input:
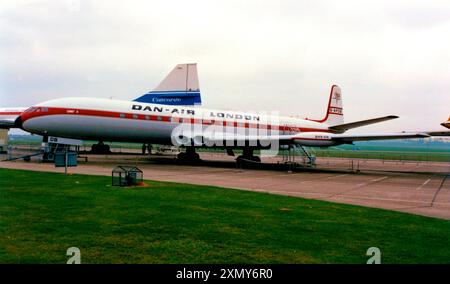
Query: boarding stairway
[(297, 155), (24, 157), (46, 152)]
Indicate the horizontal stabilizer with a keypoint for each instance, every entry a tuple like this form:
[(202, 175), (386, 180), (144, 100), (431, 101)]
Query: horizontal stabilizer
[(340, 128)]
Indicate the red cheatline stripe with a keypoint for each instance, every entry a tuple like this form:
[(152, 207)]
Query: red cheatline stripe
[(152, 117), (9, 113)]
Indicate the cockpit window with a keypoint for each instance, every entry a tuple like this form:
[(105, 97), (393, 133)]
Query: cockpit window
[(36, 109), (30, 109)]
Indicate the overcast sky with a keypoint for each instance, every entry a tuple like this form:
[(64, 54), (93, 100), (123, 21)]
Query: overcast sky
[(389, 57)]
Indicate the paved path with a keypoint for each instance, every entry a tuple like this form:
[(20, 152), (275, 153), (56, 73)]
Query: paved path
[(419, 188)]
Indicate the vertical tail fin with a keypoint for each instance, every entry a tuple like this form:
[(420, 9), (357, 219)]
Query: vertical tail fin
[(180, 87), (334, 114)]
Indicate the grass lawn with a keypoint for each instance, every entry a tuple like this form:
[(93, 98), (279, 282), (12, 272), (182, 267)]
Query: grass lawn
[(401, 155), (43, 214)]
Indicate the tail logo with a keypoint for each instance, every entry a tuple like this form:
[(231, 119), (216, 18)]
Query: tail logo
[(337, 96)]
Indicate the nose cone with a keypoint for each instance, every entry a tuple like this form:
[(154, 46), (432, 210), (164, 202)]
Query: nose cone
[(18, 122)]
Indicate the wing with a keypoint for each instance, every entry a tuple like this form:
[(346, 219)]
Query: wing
[(319, 139), (438, 133), (381, 136)]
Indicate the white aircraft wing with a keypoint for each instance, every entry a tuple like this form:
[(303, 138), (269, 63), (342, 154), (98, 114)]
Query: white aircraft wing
[(228, 139), (380, 136)]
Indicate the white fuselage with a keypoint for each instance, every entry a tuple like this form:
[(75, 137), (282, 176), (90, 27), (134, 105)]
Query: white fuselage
[(117, 120)]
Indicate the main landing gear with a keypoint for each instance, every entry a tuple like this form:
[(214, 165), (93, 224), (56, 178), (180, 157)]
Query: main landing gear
[(247, 156), (147, 147), (100, 148), (189, 155)]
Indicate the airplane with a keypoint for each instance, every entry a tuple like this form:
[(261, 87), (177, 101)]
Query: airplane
[(9, 115), (192, 126), (179, 87), (446, 123), (171, 91), (185, 93)]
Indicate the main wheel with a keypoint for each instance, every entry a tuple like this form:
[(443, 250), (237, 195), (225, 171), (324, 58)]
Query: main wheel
[(188, 156), (195, 156), (239, 161), (256, 159)]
